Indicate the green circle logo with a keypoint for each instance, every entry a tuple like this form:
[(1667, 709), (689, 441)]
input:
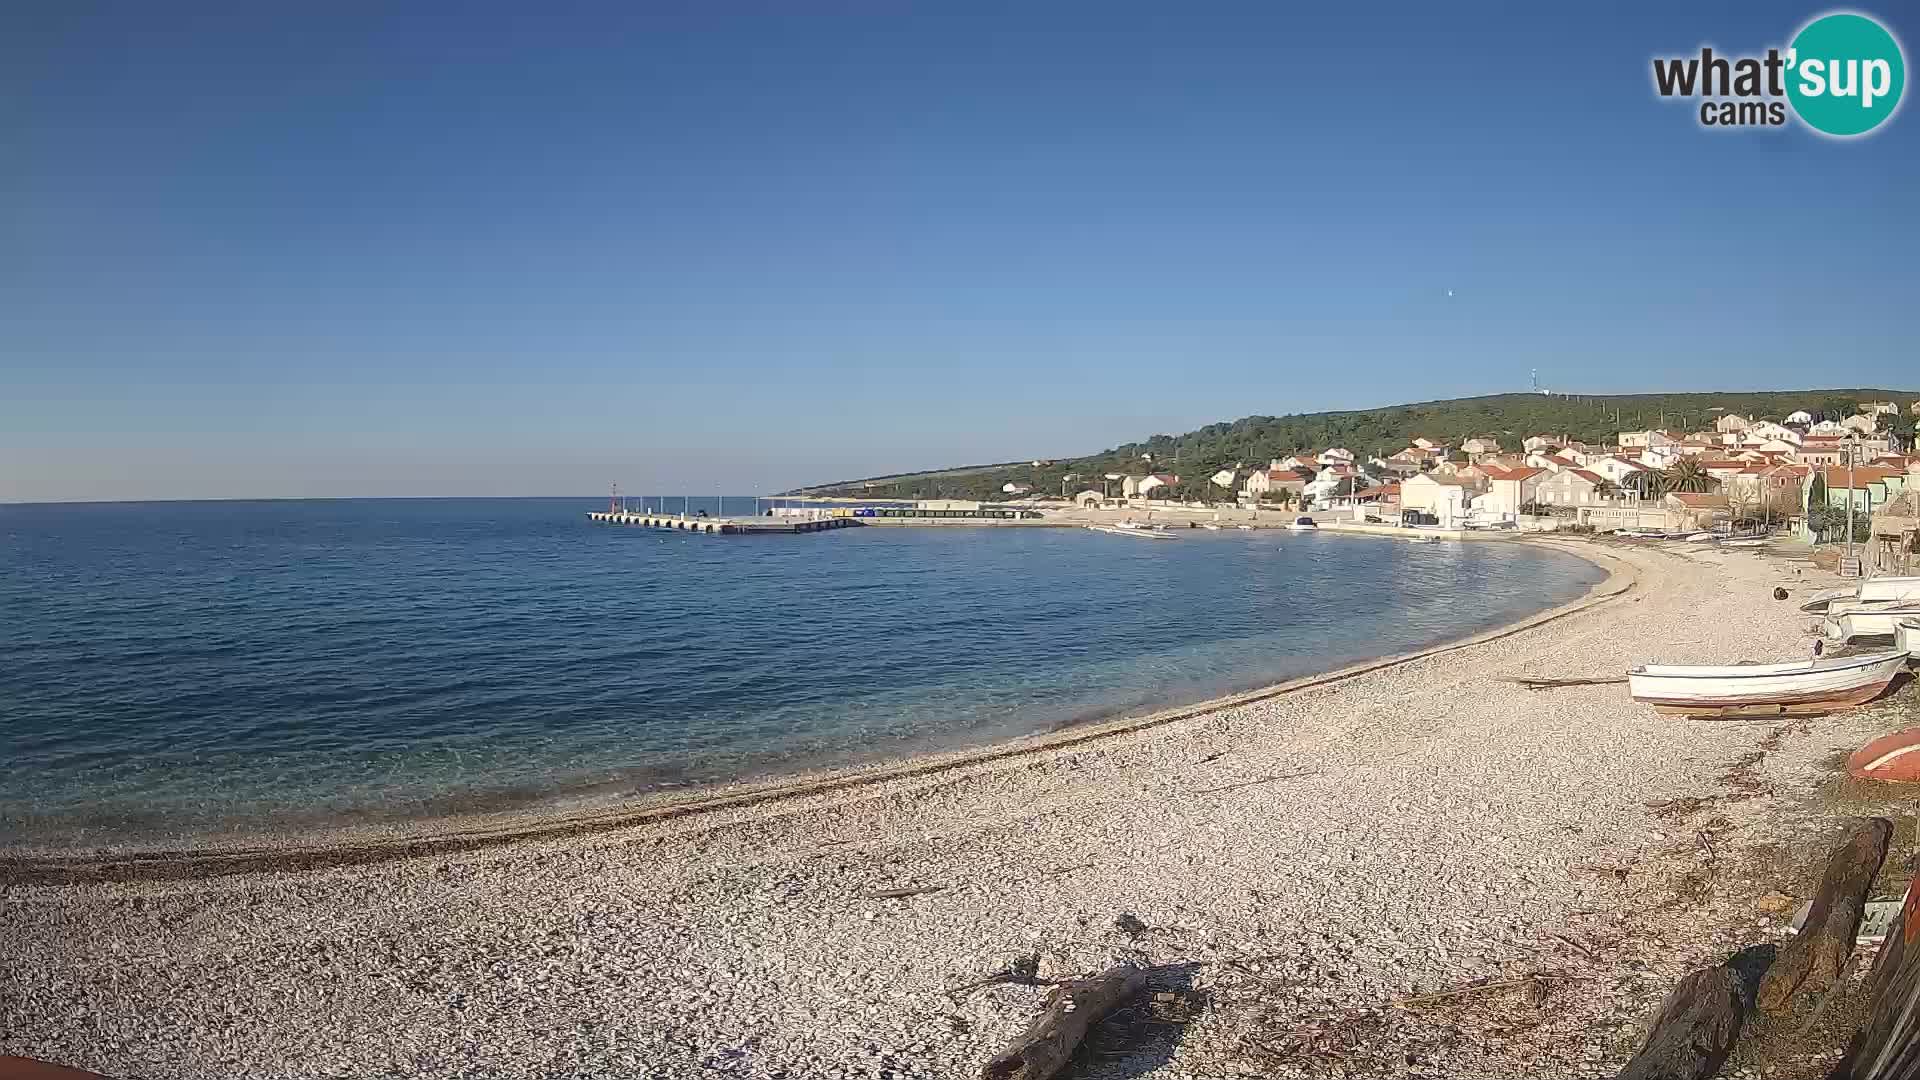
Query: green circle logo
[(1845, 74)]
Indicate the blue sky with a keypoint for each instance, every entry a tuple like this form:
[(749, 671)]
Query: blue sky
[(502, 249)]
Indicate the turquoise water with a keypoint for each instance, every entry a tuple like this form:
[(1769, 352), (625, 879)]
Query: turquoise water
[(178, 669)]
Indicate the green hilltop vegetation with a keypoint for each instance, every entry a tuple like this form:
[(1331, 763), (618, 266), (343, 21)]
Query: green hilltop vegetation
[(1255, 440)]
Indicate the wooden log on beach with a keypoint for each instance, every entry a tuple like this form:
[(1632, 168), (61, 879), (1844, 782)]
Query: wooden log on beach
[(1044, 1048), (1695, 1030), (1888, 1047), (1812, 960)]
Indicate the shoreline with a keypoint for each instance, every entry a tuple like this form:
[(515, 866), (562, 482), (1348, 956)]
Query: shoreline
[(1316, 854), (338, 846)]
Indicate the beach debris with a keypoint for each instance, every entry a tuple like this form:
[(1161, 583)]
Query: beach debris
[(1774, 902), (1128, 924), (1893, 758), (1525, 985), (1811, 961), (899, 894), (1681, 806), (1695, 1028), (1543, 682), (1779, 593), (1071, 1008), (1022, 970), (1257, 781)]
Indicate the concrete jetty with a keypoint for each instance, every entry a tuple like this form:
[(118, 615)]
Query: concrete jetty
[(721, 525)]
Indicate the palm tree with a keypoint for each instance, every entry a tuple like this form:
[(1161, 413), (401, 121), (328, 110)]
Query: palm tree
[(1607, 489), (1687, 475)]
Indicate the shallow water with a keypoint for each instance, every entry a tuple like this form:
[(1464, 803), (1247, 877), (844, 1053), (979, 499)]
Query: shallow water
[(174, 669)]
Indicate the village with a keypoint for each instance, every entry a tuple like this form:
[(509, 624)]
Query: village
[(1798, 475)]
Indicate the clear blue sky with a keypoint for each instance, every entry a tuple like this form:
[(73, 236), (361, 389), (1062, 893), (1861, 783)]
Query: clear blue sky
[(470, 248)]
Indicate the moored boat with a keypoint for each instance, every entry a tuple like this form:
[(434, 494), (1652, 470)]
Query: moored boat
[(1303, 523), (1128, 528), (1802, 688)]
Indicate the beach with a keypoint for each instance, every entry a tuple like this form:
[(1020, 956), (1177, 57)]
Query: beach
[(1301, 867)]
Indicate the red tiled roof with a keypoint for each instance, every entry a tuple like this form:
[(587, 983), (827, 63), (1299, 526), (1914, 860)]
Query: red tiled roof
[(1589, 477), (1836, 475), (1495, 472)]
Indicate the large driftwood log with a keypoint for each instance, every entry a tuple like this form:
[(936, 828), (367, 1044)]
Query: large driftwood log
[(1888, 1047), (1695, 1030), (1810, 962), (1072, 1008)]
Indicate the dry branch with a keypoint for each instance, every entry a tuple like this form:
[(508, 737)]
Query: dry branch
[(1542, 682)]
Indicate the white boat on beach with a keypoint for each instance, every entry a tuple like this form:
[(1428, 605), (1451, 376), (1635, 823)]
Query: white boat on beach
[(1750, 543), (1873, 621), (1703, 537), (1246, 528), (1885, 590), (1210, 526), (1803, 688), (1128, 528), (1906, 638), (1303, 523)]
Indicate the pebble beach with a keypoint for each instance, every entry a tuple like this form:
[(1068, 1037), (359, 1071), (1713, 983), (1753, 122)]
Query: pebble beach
[(1307, 872)]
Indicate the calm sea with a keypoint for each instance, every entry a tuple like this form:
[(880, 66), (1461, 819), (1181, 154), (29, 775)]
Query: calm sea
[(172, 670)]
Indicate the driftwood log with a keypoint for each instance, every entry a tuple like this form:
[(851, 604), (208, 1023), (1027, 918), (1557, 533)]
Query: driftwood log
[(1695, 1030), (1811, 961), (1888, 1047), (1044, 1048)]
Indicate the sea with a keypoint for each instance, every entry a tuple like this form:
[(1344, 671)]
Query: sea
[(175, 673)]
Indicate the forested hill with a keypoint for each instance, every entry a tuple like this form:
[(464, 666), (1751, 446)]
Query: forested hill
[(1257, 439)]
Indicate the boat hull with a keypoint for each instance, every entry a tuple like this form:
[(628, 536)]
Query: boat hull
[(1867, 623), (1807, 689)]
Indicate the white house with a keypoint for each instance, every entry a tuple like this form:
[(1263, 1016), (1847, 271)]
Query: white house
[(1445, 497), (1335, 455), (1731, 423), (1016, 489), (1329, 482), (1801, 416), (1571, 487), (1768, 431), (1864, 423), (1267, 483), (1507, 491), (1828, 427), (1480, 444), (1139, 487)]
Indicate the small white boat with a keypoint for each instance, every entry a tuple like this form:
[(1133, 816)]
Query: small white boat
[(1747, 543), (1803, 688), (1303, 523), (1883, 590), (1423, 539), (1867, 622), (1128, 528), (1244, 528), (1210, 526), (1703, 537)]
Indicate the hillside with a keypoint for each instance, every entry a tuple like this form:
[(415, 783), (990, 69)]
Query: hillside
[(1257, 439)]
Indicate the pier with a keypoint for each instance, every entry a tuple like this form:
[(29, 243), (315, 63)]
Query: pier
[(722, 525)]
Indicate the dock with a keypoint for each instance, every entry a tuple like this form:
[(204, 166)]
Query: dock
[(717, 526)]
